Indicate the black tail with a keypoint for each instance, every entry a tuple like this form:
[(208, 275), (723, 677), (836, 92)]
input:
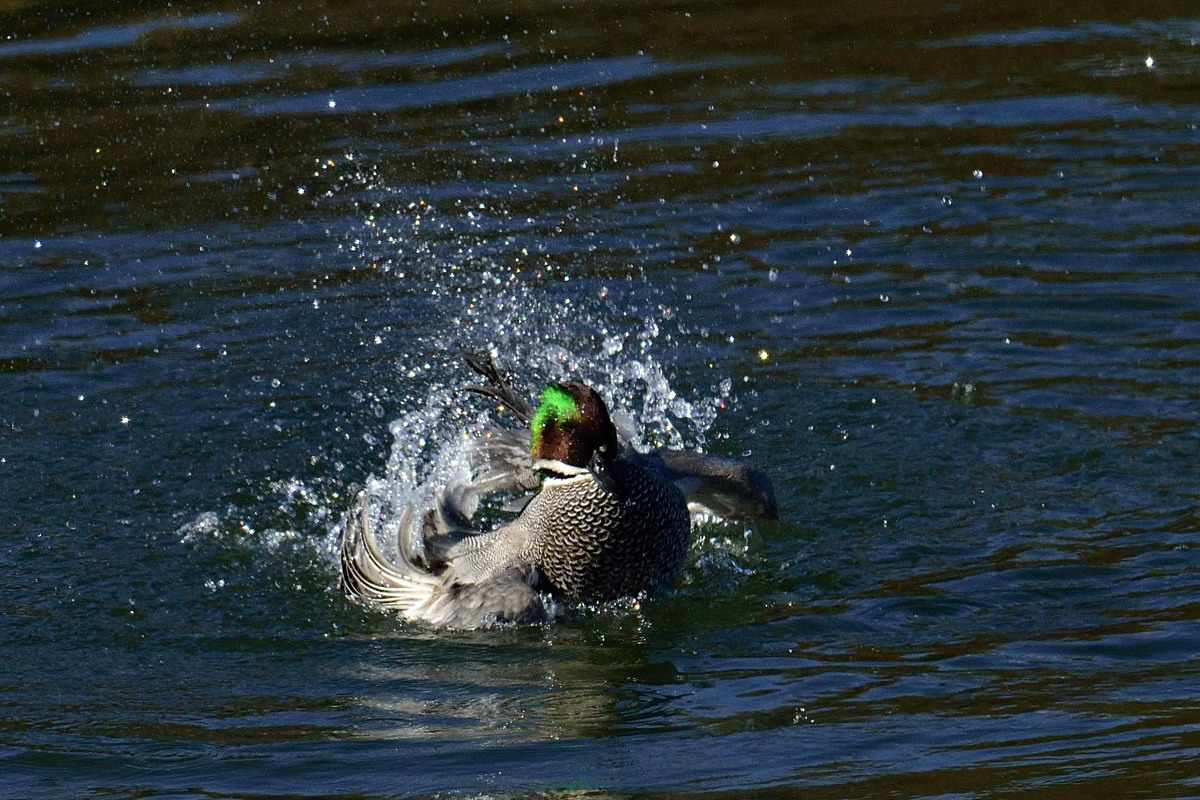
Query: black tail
[(498, 388)]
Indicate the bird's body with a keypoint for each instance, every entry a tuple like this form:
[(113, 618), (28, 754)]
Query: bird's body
[(605, 523)]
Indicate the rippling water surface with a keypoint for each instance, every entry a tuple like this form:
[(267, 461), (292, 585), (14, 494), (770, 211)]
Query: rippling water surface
[(934, 266)]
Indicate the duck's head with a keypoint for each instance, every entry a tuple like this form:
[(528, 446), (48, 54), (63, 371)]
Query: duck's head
[(571, 427)]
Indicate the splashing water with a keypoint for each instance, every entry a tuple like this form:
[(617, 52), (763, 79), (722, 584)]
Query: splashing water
[(539, 319), (457, 293)]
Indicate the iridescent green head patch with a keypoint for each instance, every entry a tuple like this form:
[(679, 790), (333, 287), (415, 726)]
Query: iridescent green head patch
[(556, 405)]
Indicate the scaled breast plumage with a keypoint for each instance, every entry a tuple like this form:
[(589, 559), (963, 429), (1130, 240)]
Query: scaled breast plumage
[(592, 545)]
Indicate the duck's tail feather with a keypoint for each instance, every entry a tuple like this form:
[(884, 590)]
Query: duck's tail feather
[(498, 388)]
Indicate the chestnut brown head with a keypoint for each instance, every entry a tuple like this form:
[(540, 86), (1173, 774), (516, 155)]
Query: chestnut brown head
[(570, 425)]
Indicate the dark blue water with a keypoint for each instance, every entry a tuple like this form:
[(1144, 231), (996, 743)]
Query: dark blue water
[(935, 267)]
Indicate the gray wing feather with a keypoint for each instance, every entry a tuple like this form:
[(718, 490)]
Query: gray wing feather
[(369, 575), (481, 589), (723, 486)]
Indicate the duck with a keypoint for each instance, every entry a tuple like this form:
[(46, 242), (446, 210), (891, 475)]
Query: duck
[(596, 520)]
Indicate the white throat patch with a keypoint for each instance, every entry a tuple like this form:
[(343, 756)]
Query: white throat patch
[(560, 471)]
